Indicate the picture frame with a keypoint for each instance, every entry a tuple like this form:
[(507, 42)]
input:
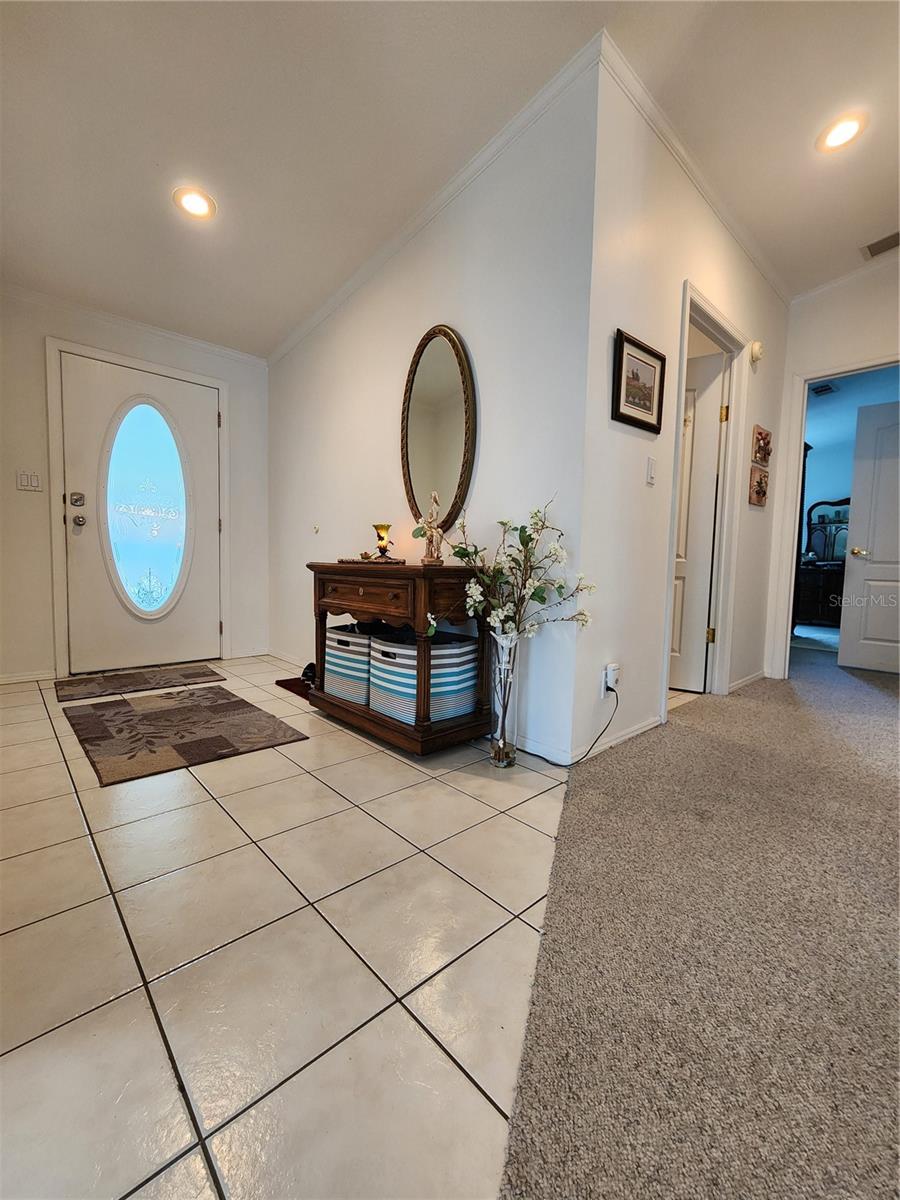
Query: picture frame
[(759, 486), (639, 374), (761, 451)]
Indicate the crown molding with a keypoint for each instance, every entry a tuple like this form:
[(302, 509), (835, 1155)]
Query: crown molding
[(873, 267), (587, 57), (621, 71), (23, 295)]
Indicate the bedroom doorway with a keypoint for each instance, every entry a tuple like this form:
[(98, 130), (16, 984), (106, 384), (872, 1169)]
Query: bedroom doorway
[(845, 575)]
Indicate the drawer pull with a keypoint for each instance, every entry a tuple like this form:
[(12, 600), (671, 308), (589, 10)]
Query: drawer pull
[(332, 588), (392, 595), (361, 592)]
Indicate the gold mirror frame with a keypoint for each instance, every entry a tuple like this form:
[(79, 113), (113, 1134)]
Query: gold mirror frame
[(468, 458)]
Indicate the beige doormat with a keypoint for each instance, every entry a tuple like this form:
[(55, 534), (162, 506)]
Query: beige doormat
[(114, 683), (128, 739)]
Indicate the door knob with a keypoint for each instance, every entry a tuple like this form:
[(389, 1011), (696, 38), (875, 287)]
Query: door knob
[(79, 520), (859, 552)]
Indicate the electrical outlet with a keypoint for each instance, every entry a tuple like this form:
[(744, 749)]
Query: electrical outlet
[(609, 678)]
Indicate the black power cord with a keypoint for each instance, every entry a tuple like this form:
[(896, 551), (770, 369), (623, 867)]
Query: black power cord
[(566, 766)]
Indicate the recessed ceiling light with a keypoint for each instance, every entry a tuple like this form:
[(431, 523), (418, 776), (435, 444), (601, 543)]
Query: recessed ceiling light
[(195, 202), (841, 132)]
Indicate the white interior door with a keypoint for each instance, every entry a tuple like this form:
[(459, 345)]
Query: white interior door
[(870, 616), (696, 523), (141, 461)]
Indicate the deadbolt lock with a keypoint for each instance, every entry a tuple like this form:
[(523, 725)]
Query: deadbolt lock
[(76, 499)]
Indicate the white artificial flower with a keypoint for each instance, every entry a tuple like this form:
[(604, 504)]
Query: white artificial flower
[(556, 552), (531, 628), (474, 591), (529, 586), (537, 518), (583, 618), (509, 627), (431, 618)]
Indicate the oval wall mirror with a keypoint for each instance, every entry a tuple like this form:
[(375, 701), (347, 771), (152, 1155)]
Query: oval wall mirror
[(437, 433)]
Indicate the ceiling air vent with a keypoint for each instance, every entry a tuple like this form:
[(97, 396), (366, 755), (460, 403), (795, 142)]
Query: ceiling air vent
[(822, 389), (891, 242)]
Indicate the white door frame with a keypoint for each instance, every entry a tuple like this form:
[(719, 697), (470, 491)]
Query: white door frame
[(787, 506), (696, 307), (55, 347)]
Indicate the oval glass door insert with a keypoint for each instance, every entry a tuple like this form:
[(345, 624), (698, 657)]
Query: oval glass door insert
[(146, 509)]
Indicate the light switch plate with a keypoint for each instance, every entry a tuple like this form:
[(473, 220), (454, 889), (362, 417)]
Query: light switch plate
[(651, 471), (28, 481)]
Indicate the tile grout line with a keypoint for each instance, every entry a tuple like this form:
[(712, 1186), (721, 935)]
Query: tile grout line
[(382, 981), (398, 998), (179, 1081)]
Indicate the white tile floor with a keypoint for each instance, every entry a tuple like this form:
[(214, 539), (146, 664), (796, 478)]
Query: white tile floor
[(302, 972)]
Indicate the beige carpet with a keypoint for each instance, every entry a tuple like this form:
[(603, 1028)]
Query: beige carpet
[(715, 1008)]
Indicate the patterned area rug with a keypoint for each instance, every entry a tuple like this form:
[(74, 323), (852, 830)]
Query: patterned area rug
[(114, 683), (128, 739)]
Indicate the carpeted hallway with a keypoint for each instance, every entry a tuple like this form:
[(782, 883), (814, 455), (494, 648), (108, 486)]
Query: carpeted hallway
[(714, 1011)]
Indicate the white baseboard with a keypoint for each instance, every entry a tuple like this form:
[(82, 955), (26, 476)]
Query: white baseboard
[(739, 683), (29, 676), (614, 739), (536, 746), (286, 657)]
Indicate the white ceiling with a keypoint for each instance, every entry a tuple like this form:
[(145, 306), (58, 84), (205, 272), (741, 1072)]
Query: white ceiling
[(322, 128)]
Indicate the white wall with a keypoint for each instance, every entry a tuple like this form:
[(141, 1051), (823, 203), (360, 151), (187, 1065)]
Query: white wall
[(653, 231), (851, 323), (506, 263), (26, 611)]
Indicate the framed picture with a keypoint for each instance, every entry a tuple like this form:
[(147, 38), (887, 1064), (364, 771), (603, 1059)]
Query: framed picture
[(762, 446), (639, 374), (759, 486)]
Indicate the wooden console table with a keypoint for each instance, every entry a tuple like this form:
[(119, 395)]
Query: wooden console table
[(400, 595)]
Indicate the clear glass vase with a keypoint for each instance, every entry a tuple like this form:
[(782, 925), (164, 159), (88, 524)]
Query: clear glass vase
[(505, 682)]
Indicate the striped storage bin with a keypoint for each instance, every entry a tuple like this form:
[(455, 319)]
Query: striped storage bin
[(347, 663), (454, 676)]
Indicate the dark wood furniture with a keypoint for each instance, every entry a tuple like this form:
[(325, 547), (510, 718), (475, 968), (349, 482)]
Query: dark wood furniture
[(399, 595), (819, 583)]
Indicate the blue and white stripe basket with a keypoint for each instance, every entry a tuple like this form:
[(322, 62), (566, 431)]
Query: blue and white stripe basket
[(454, 677), (347, 663)]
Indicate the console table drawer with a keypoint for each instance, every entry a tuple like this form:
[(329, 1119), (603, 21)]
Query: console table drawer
[(391, 599)]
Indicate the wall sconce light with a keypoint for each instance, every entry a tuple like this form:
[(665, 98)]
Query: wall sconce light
[(756, 352)]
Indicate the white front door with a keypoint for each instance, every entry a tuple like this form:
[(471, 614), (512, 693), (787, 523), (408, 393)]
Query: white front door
[(870, 617), (141, 454), (696, 523)]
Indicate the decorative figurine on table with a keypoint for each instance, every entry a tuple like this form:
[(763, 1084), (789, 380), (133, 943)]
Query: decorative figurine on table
[(431, 531)]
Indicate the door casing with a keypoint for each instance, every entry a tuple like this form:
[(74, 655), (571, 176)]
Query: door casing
[(702, 312), (787, 500), (54, 348)]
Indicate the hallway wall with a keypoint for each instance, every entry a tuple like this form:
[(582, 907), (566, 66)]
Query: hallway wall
[(653, 230)]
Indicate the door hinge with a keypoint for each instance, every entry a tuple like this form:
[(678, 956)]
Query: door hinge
[(710, 636), (219, 420), (221, 627), (220, 524), (723, 413)]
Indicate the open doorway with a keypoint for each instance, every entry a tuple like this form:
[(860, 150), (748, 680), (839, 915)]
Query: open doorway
[(845, 574), (699, 498)]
